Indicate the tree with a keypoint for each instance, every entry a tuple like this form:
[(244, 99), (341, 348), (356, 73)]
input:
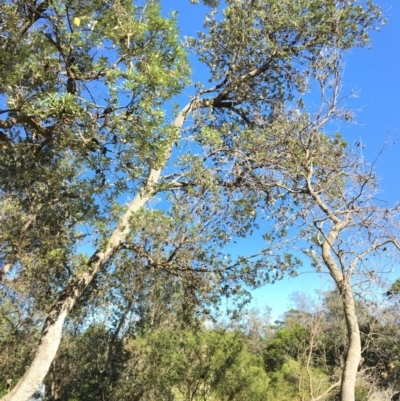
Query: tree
[(88, 140), (333, 190), (350, 230)]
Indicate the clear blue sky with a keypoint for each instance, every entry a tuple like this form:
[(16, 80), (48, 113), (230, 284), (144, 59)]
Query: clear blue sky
[(375, 74)]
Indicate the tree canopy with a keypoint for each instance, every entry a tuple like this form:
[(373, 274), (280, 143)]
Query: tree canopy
[(111, 190)]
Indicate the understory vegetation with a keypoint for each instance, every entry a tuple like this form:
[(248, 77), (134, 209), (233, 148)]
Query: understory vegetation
[(161, 351)]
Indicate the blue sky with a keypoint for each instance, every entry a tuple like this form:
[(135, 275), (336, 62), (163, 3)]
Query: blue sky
[(375, 75)]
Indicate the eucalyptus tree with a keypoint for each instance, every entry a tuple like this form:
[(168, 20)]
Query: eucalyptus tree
[(347, 231), (90, 135)]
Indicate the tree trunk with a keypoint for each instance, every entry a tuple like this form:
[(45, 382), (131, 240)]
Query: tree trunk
[(52, 330), (353, 355)]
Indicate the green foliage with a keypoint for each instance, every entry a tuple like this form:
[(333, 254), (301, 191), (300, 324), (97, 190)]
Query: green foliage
[(285, 32), (292, 381), (394, 289), (86, 367), (286, 344), (19, 331), (195, 365), (87, 93), (161, 355), (361, 393), (63, 147)]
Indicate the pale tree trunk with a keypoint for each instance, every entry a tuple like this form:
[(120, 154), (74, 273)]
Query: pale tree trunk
[(52, 330), (353, 355)]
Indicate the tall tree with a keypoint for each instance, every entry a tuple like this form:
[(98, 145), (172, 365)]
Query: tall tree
[(88, 140), (334, 190)]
